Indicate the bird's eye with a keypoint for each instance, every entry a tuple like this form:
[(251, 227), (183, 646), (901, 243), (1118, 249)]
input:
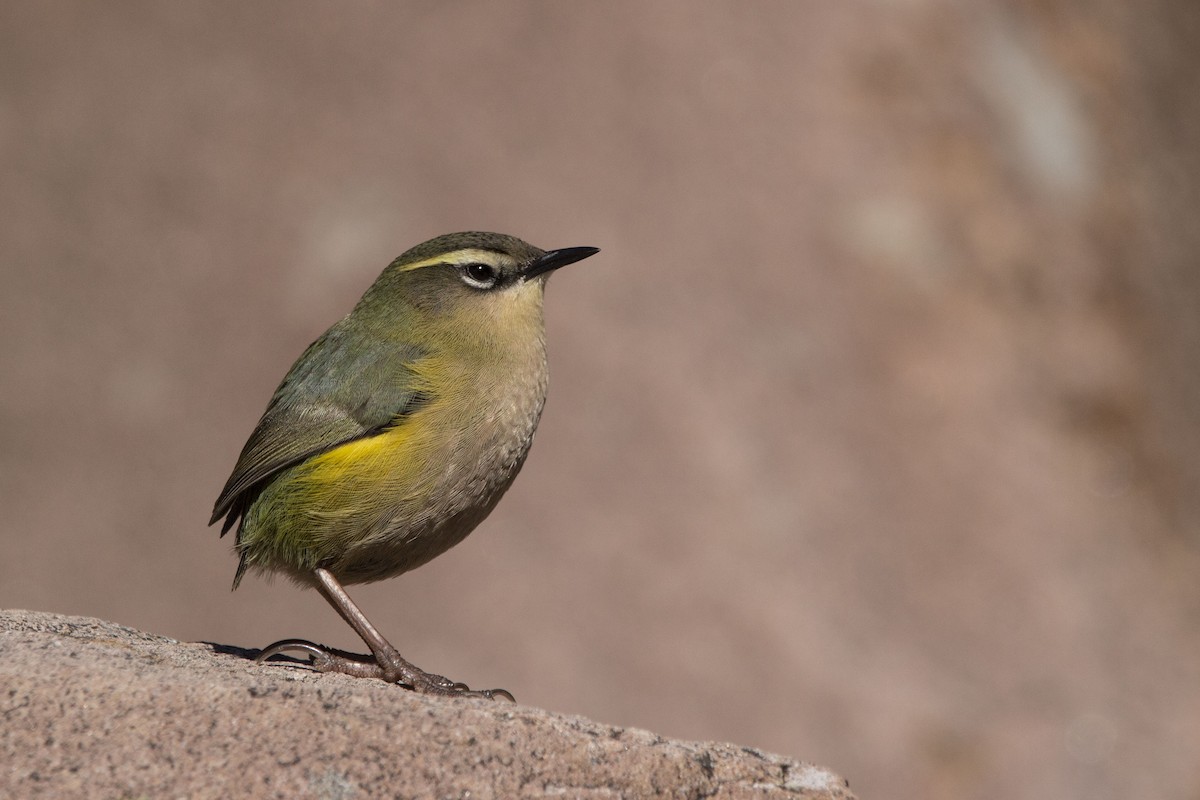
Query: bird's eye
[(480, 276)]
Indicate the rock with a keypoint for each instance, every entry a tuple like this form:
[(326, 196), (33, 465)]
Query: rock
[(94, 709)]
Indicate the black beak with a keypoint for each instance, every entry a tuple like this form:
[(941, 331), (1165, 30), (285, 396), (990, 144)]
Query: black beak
[(554, 259)]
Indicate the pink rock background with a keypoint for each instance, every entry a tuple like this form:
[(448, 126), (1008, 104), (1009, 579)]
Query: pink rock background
[(873, 431)]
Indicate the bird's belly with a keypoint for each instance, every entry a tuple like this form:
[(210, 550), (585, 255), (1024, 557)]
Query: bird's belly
[(380, 506)]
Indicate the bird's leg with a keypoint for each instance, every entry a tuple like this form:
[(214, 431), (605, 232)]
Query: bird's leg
[(388, 664), (392, 667)]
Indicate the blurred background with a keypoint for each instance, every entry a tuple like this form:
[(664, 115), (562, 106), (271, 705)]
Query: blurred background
[(873, 431)]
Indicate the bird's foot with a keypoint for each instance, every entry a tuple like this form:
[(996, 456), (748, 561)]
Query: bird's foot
[(386, 666)]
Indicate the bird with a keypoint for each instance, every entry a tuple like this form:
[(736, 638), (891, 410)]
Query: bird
[(396, 433)]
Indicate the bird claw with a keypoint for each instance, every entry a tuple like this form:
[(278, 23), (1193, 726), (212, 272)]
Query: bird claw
[(327, 659), (444, 685), (324, 659), (315, 651)]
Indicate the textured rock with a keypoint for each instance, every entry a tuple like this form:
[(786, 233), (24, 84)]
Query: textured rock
[(94, 709)]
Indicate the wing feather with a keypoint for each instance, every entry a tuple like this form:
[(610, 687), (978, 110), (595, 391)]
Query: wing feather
[(342, 388)]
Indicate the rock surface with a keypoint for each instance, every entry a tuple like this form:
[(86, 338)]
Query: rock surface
[(95, 709)]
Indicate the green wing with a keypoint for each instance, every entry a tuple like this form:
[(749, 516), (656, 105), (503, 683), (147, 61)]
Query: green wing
[(345, 386)]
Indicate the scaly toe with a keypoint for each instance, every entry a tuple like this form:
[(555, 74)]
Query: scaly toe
[(391, 667), (428, 683), (325, 659)]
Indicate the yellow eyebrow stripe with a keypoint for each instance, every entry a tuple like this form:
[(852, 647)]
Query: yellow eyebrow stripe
[(465, 256)]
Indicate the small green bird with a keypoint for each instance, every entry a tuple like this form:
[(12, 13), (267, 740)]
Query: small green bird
[(397, 432)]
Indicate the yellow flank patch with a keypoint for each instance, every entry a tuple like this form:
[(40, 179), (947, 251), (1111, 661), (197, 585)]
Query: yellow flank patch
[(363, 469), (335, 464), (469, 255)]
